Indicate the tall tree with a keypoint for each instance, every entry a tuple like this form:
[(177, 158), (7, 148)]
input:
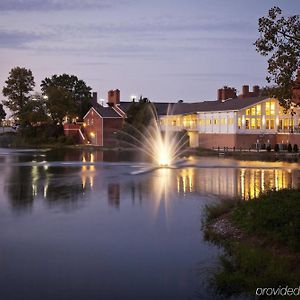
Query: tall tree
[(35, 111), (280, 41), (2, 114), (18, 86), (60, 103), (79, 91)]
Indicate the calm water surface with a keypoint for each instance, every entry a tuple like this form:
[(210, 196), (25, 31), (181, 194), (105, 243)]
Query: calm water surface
[(78, 225)]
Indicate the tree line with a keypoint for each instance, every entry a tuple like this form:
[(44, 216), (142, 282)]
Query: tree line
[(62, 96)]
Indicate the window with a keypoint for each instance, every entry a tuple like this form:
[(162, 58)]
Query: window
[(174, 123), (223, 121), (215, 121), (88, 122), (239, 123), (258, 109), (253, 111), (270, 108), (258, 123), (270, 123), (92, 121), (230, 121), (248, 112), (247, 123), (208, 121), (253, 123)]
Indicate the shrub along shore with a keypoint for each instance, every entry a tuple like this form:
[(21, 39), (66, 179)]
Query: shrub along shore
[(261, 241)]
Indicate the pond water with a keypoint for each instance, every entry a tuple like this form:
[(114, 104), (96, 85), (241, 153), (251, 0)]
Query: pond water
[(79, 225)]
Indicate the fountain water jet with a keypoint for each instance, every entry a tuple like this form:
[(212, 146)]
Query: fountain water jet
[(163, 147)]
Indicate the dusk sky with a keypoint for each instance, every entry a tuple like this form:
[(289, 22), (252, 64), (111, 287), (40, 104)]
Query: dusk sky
[(166, 50)]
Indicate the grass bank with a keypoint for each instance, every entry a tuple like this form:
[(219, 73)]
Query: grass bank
[(261, 241)]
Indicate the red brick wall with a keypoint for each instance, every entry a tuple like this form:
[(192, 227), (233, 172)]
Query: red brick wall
[(245, 141), (96, 128), (111, 127), (217, 140), (288, 138)]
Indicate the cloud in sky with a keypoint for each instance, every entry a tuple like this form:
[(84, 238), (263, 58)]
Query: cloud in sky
[(18, 39), (40, 5), (165, 49)]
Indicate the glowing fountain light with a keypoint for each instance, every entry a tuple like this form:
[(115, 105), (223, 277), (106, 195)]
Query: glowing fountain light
[(163, 147)]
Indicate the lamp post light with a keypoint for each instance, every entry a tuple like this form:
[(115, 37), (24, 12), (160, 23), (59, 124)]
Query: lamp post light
[(292, 117)]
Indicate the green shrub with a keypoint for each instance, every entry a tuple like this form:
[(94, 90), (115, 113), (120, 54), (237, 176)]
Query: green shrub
[(274, 215)]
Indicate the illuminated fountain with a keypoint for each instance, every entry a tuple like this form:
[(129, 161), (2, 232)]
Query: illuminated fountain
[(163, 147)]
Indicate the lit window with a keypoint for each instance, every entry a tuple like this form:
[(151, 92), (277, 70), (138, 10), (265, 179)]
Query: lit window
[(267, 108), (223, 121), (253, 112), (88, 122), (239, 123), (92, 121), (258, 123), (258, 109), (215, 121), (272, 108), (248, 112), (174, 123), (230, 121), (270, 123), (247, 123), (253, 125)]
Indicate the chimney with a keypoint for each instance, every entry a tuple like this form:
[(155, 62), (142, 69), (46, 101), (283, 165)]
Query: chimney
[(219, 94), (226, 93), (113, 97), (255, 91), (94, 101), (245, 91)]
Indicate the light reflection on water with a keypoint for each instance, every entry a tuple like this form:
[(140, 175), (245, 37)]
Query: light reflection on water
[(123, 236)]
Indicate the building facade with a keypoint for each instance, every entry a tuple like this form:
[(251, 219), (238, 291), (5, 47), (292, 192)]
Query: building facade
[(247, 121)]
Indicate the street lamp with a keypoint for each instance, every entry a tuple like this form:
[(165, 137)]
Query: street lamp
[(292, 117)]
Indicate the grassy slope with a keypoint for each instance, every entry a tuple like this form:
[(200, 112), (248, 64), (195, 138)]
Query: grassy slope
[(269, 253)]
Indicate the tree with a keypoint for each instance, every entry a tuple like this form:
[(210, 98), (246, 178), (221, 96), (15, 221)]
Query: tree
[(79, 91), (35, 110), (60, 103), (2, 114), (280, 40), (18, 86)]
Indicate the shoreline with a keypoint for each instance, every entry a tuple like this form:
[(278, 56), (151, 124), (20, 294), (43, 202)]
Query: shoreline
[(258, 252)]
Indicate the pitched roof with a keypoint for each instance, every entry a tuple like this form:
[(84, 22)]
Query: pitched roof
[(161, 107), (164, 108), (206, 106), (106, 112)]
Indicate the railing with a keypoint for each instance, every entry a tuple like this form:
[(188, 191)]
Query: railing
[(289, 130)]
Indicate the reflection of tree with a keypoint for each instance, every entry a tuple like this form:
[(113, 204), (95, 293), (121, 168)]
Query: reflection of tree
[(113, 194), (19, 188), (26, 183)]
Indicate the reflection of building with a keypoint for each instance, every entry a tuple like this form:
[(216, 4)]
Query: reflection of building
[(232, 182)]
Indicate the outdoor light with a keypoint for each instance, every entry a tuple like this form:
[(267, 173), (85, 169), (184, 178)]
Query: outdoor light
[(133, 97), (92, 134)]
